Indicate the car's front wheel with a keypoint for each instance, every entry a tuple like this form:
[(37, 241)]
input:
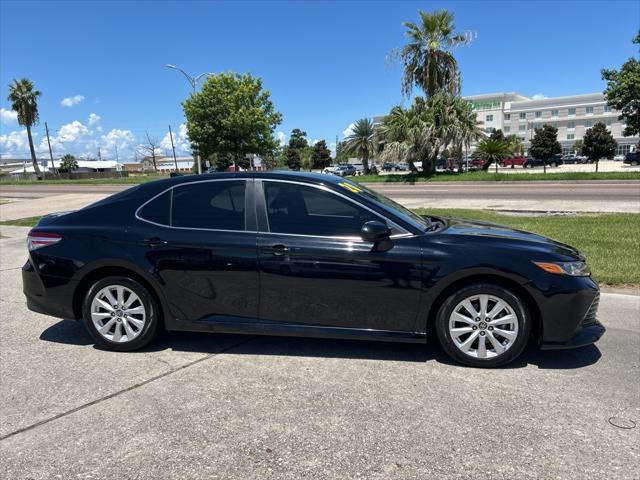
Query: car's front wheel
[(120, 314), (483, 325)]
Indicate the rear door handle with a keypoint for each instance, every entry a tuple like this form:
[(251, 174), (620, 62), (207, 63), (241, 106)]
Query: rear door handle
[(154, 242)]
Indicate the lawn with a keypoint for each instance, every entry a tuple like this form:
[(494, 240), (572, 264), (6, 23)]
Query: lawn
[(610, 241), (498, 177)]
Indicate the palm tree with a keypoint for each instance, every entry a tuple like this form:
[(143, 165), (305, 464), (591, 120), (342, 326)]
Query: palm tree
[(360, 142), (24, 101), (467, 127), (492, 151), (427, 58)]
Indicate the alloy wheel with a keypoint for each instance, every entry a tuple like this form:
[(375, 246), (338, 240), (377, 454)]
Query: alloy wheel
[(118, 313), (483, 326)]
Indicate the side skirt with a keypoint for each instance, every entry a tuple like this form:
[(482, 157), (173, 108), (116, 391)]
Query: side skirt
[(252, 327)]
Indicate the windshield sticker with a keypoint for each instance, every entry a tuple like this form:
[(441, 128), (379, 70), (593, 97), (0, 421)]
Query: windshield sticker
[(351, 188)]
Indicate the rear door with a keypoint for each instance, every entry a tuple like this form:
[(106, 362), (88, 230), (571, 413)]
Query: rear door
[(315, 270), (203, 249)]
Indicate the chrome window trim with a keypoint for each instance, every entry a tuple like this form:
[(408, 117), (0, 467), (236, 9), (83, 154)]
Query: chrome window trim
[(137, 212), (349, 199)]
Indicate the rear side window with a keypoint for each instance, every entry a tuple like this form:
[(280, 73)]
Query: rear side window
[(157, 210), (211, 205)]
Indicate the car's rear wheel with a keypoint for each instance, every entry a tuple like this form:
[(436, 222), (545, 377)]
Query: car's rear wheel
[(634, 163), (120, 314), (483, 325), (554, 164)]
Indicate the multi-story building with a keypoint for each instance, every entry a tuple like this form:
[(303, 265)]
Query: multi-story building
[(572, 116)]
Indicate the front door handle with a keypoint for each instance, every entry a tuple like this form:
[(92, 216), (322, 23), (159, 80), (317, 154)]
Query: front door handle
[(279, 250), (154, 242)]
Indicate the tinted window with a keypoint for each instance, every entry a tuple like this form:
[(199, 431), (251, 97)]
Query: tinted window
[(214, 205), (157, 210), (293, 208)]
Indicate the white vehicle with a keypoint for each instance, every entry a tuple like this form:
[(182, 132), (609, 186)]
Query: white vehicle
[(331, 169), (618, 158)]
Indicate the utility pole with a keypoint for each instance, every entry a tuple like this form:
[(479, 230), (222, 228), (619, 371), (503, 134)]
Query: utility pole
[(53, 167), (117, 159), (175, 161), (99, 156)]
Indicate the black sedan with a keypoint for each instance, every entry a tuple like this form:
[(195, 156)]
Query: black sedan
[(304, 255)]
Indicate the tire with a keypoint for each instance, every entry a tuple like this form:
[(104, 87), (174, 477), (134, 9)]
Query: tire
[(517, 326), (502, 164), (553, 165), (141, 320), (634, 163)]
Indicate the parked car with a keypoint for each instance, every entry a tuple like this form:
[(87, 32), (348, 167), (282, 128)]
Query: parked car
[(330, 169), (631, 158), (333, 259), (345, 170), (619, 158), (513, 161), (476, 164), (389, 167), (572, 158), (402, 166), (553, 162)]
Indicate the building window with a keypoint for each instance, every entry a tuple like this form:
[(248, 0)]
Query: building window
[(538, 114), (607, 109), (570, 136), (489, 118), (507, 116), (523, 115), (572, 112), (507, 129), (522, 128), (623, 149), (589, 110), (554, 113), (571, 124), (588, 123)]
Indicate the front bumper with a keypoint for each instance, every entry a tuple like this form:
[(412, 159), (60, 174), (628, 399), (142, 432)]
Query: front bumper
[(587, 335)]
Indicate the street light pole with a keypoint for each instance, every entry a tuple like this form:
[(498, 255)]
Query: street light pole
[(193, 81)]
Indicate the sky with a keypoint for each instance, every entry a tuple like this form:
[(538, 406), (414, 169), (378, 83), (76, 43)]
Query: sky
[(101, 65)]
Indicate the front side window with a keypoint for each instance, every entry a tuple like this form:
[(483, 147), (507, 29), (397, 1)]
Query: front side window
[(301, 210), (209, 205)]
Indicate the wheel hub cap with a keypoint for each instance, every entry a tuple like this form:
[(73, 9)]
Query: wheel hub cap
[(118, 313), (483, 326)]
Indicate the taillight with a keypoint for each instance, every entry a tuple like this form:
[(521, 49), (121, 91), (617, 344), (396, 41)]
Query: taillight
[(36, 240)]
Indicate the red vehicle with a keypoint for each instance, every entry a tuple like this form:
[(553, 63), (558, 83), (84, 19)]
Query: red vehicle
[(513, 161)]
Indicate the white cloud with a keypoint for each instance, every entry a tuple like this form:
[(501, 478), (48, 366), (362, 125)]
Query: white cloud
[(349, 130), (180, 141), (14, 143), (123, 140), (71, 101), (94, 119), (314, 141), (282, 138), (8, 116), (539, 96)]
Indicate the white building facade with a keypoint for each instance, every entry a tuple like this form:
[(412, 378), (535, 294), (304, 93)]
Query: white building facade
[(572, 116)]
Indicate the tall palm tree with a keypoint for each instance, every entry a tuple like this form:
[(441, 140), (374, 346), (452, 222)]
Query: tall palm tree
[(492, 151), (467, 127), (427, 58), (361, 142), (24, 101)]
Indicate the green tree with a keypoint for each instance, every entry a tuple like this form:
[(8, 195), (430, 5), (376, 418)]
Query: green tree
[(598, 143), (298, 139), (321, 155), (492, 150), (427, 59), (405, 135), (578, 145), (497, 134), (24, 101), (232, 116), (342, 156), (623, 92), (293, 159), (515, 143), (68, 163), (360, 142), (544, 144)]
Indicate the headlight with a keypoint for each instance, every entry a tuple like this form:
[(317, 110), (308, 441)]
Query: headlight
[(575, 269)]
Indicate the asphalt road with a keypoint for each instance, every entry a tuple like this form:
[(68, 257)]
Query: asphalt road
[(223, 406)]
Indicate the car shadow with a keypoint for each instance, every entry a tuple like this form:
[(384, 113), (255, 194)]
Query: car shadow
[(74, 333)]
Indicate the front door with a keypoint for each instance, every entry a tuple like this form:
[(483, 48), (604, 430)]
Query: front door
[(316, 270)]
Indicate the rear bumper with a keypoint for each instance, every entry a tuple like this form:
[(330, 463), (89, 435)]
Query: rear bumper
[(587, 335), (48, 295)]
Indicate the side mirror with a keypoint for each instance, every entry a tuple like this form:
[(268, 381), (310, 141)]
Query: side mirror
[(375, 231)]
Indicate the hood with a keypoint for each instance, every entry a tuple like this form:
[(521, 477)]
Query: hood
[(507, 237)]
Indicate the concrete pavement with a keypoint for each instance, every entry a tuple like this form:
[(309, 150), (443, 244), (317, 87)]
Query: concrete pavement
[(223, 406)]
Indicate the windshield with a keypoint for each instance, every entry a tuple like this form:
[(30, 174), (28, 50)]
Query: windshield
[(388, 204)]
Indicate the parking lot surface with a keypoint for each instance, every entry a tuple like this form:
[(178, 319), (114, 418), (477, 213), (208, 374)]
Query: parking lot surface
[(223, 406)]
